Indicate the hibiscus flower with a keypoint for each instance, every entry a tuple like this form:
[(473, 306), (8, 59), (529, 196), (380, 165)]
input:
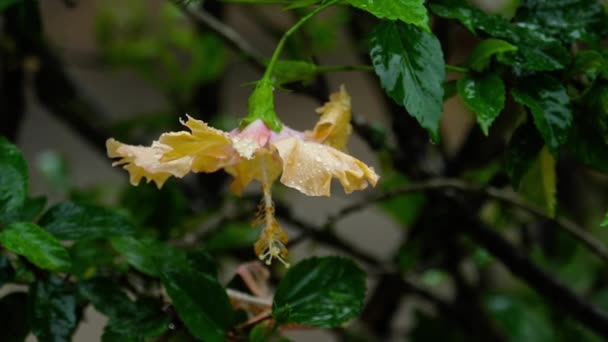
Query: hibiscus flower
[(305, 161)]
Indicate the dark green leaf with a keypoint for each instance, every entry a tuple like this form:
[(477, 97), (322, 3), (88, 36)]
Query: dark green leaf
[(539, 184), (200, 301), (410, 64), (13, 181), (566, 20), (591, 64), (322, 292), (550, 106), (151, 257), (522, 151), (7, 272), (485, 96), (409, 11), (128, 320), (14, 317), (535, 50), (89, 257), (482, 54), (232, 236), (36, 245), (75, 221), (521, 321), (53, 310), (4, 4), (32, 208)]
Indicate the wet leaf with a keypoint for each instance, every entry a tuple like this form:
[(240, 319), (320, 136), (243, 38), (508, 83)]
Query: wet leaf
[(37, 245), (76, 221), (13, 181), (408, 11), (482, 54), (410, 65), (321, 292), (485, 96), (53, 308)]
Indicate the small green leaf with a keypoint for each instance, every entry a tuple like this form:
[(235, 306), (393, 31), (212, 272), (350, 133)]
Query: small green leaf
[(321, 292), (539, 184), (76, 221), (200, 301), (408, 11), (485, 96), (604, 223), (13, 181), (53, 310), (294, 71), (36, 245), (410, 65), (14, 317), (261, 106), (523, 149), (482, 54), (550, 106)]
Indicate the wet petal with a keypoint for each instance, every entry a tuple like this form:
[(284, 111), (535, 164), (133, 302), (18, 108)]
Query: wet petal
[(209, 148), (144, 162), (309, 168), (333, 128), (264, 167)]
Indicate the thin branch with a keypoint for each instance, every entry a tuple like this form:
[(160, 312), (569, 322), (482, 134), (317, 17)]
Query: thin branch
[(576, 231), (232, 37), (521, 266)]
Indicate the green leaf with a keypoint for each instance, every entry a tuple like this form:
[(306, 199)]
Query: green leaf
[(36, 245), (233, 235), (410, 65), (76, 221), (604, 223), (408, 11), (13, 181), (89, 257), (4, 4), (566, 20), (523, 149), (53, 310), (482, 54), (550, 106), (261, 106), (14, 317), (128, 320), (520, 320), (200, 301), (539, 184), (152, 257), (294, 71), (536, 51), (321, 292), (485, 96), (591, 64)]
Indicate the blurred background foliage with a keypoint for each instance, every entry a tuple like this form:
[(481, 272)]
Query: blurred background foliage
[(487, 121)]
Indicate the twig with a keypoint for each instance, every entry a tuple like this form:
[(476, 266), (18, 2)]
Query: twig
[(232, 37), (520, 265), (570, 227)]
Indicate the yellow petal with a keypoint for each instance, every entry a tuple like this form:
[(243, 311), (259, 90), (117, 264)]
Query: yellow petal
[(142, 161), (209, 148), (333, 128), (309, 168), (264, 167)]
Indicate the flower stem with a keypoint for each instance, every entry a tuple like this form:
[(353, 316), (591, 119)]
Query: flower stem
[(337, 68), (292, 30), (456, 68)]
